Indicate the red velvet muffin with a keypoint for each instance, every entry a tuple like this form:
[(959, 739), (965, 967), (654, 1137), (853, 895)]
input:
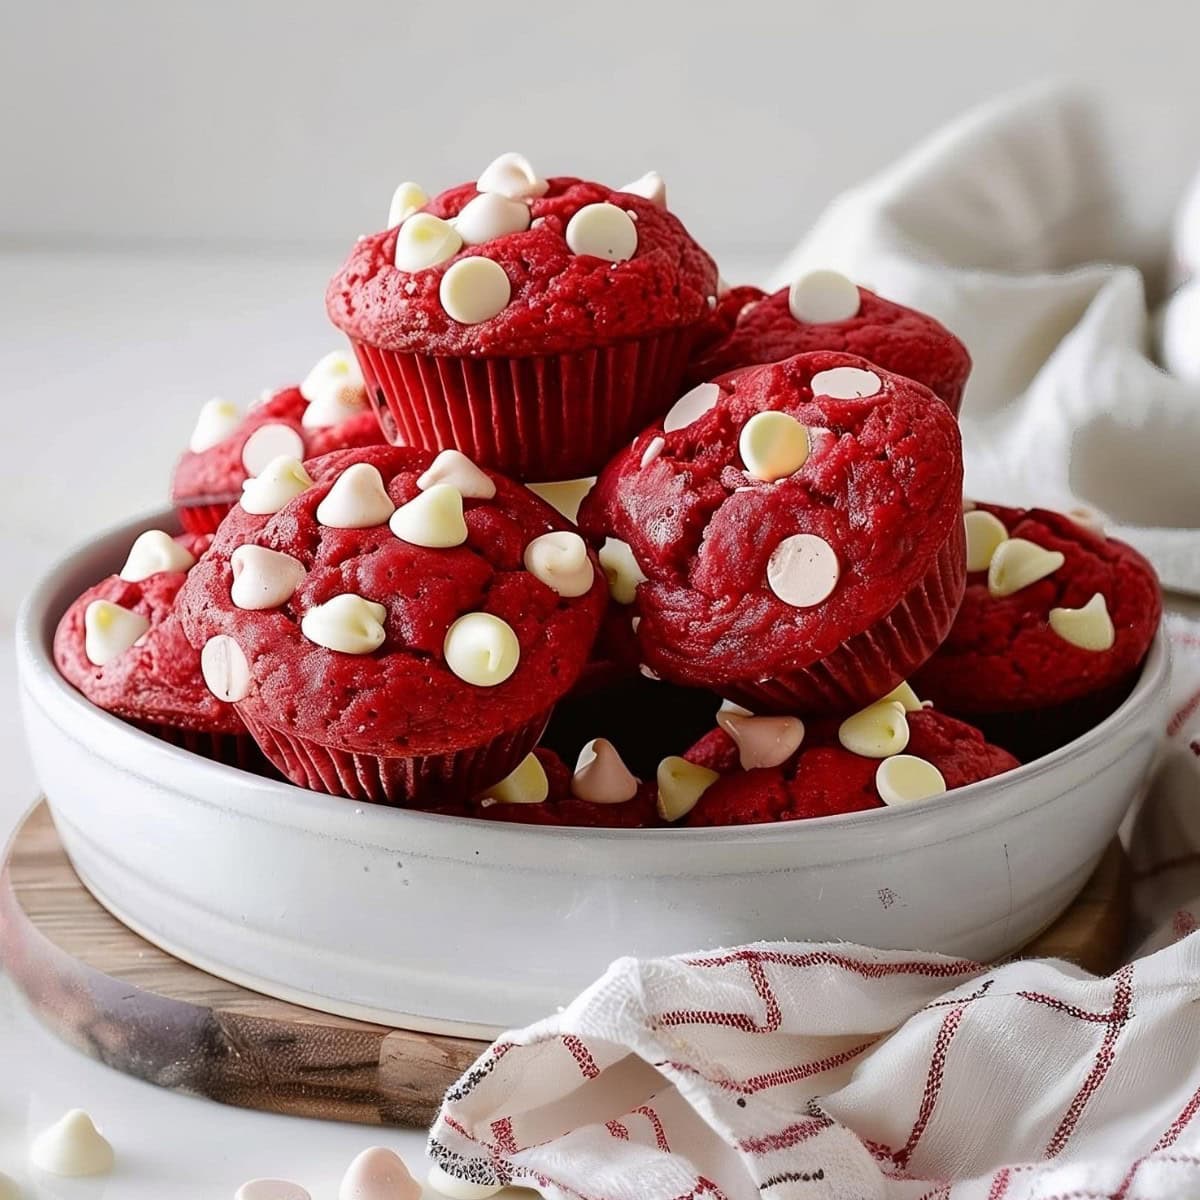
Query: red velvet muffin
[(794, 542), (121, 644), (327, 412), (1054, 625), (393, 627), (534, 324), (825, 311)]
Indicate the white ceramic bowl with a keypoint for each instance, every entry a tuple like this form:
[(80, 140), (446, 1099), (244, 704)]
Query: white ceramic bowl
[(466, 926)]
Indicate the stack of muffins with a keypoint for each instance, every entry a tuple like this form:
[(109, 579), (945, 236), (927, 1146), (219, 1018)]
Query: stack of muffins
[(581, 536)]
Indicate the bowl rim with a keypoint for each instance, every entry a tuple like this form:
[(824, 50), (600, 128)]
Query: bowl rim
[(40, 678)]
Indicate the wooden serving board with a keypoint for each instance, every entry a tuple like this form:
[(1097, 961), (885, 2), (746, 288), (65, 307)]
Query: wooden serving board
[(121, 1000)]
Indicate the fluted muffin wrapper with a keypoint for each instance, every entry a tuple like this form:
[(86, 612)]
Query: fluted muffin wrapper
[(203, 518), (869, 664), (556, 416), (399, 781), (232, 749)]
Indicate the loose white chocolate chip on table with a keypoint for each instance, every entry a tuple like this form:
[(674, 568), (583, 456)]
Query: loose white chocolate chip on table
[(604, 231), (269, 442), (109, 630), (821, 297), (691, 406), (424, 241), (271, 1189), (903, 695), (1089, 627), (513, 176), (985, 532), (877, 731), (762, 741), (773, 445), (680, 786), (432, 518), (601, 776), (455, 468), (846, 383), (263, 578), (650, 187), (155, 551), (347, 623), (1017, 562), (906, 779), (621, 569), (217, 421), (454, 1188), (281, 480), (378, 1174), (406, 199), (652, 451), (330, 374), (490, 216), (566, 496), (803, 570), (72, 1147), (474, 289), (526, 783), (560, 560), (357, 500), (481, 649), (224, 668)]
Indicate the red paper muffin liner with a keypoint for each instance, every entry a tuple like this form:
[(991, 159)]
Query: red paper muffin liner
[(558, 416), (203, 518), (401, 782), (871, 663), (232, 749)]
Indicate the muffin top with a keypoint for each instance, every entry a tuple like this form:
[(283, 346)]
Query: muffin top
[(327, 412), (380, 600), (121, 643), (1053, 611), (564, 265), (767, 521), (825, 311)]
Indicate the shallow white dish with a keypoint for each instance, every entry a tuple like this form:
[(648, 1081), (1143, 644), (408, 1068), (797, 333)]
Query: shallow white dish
[(465, 926)]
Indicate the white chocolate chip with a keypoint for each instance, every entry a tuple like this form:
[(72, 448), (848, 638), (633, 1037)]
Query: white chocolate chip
[(762, 741), (985, 532), (877, 731), (526, 783), (566, 496), (155, 551), (474, 289), (217, 420), (1017, 563), (649, 672), (280, 481), (621, 569), (560, 560), (72, 1147), (433, 518), (490, 216), (903, 695), (511, 175), (271, 1189), (334, 409), (481, 649), (652, 451), (803, 570), (346, 623), (406, 199), (1089, 627), (728, 706), (424, 241), (680, 786), (601, 777), (773, 445), (822, 297), (357, 500), (330, 373), (263, 578), (650, 187), (456, 469), (269, 442), (1087, 518), (454, 1188), (225, 669), (907, 779), (691, 406), (846, 383), (603, 231), (109, 630), (378, 1174)]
